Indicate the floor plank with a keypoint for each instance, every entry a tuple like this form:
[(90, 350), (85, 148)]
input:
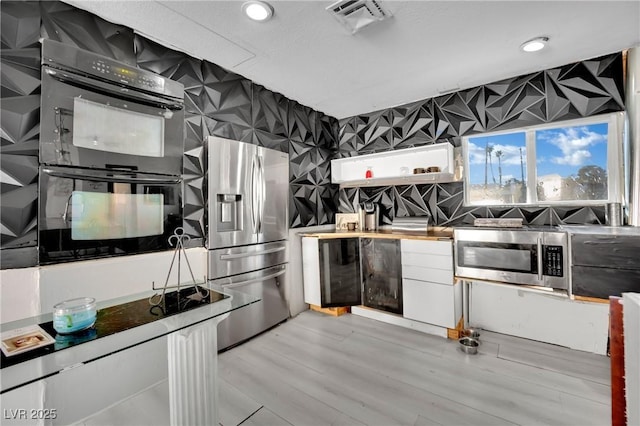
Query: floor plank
[(235, 406), (264, 417), (321, 370), (438, 385)]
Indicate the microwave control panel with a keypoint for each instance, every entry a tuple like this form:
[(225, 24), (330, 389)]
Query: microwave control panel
[(552, 261)]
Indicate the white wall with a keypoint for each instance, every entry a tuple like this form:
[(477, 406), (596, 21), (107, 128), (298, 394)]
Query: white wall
[(533, 314), (30, 291), (19, 294)]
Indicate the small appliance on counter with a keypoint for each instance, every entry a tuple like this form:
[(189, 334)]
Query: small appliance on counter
[(369, 215), (412, 223)]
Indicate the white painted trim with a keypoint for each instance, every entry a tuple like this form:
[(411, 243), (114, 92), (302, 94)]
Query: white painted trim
[(398, 320), (532, 314)]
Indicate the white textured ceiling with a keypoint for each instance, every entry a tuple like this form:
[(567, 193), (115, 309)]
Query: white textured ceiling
[(425, 49)]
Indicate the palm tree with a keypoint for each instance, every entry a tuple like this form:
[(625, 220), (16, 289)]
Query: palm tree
[(489, 151), (486, 162), (498, 156)]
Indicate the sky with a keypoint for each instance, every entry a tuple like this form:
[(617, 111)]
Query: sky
[(560, 151)]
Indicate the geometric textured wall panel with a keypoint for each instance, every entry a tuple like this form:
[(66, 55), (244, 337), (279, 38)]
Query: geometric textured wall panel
[(20, 129), (67, 24), (226, 100), (269, 115), (577, 90), (444, 204), (312, 143)]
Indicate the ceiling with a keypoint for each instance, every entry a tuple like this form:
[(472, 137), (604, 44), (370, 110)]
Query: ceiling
[(426, 49)]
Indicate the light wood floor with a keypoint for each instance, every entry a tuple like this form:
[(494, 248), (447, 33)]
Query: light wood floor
[(349, 370)]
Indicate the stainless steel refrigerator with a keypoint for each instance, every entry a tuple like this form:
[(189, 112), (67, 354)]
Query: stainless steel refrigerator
[(248, 190)]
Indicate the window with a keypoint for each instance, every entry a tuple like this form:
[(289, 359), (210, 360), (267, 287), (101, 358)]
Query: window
[(571, 162)]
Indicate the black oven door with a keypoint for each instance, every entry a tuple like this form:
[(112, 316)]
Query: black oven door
[(86, 214), (86, 122)]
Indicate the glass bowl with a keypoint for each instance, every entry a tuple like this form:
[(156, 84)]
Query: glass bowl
[(74, 315)]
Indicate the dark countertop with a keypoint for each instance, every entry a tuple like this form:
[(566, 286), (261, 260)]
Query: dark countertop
[(602, 230), (121, 323)]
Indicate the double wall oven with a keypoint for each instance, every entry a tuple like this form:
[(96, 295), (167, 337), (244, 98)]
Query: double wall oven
[(529, 256), (111, 146)]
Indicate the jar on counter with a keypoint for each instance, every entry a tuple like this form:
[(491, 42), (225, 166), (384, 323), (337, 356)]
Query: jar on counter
[(369, 173)]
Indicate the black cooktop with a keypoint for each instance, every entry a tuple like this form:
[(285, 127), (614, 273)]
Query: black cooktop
[(115, 319)]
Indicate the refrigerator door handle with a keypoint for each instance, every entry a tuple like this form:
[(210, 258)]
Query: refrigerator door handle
[(263, 193), (254, 253), (254, 221), (253, 280)]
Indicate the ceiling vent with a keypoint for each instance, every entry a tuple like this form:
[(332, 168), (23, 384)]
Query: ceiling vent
[(357, 14)]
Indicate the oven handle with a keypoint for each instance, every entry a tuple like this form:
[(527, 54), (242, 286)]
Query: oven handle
[(91, 175), (114, 89), (539, 258)]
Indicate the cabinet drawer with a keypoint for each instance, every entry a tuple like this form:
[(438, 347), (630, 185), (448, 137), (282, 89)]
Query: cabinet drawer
[(442, 248), (427, 273), (428, 261), (609, 251), (432, 303)]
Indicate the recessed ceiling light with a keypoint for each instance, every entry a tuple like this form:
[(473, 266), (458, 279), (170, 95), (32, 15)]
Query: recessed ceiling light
[(257, 10), (534, 44)]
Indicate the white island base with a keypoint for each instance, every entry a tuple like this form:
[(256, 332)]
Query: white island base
[(130, 386)]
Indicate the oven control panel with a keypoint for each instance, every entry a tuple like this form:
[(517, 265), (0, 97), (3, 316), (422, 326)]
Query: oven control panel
[(552, 261)]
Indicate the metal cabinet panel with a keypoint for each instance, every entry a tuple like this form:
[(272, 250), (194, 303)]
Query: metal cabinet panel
[(604, 282), (609, 251)]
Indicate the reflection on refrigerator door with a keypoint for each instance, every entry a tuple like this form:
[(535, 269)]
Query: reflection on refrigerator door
[(268, 284), (248, 217)]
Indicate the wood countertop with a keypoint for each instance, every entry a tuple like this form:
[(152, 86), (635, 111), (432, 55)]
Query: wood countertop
[(436, 234)]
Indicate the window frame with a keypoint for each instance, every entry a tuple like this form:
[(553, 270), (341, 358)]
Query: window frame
[(615, 165)]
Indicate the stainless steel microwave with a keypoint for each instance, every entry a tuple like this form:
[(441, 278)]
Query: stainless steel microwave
[(102, 114), (521, 256)]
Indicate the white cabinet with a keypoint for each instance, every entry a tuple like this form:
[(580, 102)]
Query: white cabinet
[(430, 293), (311, 271)]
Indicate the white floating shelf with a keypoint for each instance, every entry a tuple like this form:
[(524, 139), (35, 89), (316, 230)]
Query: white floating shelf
[(395, 167), (401, 180)]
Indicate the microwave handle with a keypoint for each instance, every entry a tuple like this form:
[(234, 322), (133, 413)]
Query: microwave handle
[(116, 91), (112, 177), (539, 258)]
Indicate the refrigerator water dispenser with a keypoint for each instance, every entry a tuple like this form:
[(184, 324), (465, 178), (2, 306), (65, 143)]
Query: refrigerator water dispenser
[(229, 212)]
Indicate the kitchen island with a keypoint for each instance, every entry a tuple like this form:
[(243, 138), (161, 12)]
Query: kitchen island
[(132, 346)]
